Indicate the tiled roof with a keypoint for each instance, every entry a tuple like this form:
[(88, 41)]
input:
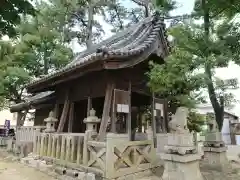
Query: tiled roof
[(130, 42), (31, 100)]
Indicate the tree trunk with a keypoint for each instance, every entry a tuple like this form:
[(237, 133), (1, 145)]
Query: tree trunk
[(90, 25), (217, 107)]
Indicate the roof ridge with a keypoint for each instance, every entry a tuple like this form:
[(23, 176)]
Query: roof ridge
[(120, 50)]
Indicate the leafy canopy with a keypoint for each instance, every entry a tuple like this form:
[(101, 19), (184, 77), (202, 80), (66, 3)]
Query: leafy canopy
[(199, 47), (39, 51), (10, 15)]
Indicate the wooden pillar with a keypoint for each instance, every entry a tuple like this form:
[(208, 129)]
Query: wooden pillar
[(71, 117), (18, 118), (154, 120), (165, 122), (21, 116), (64, 113), (106, 110), (113, 115), (139, 125), (129, 116), (56, 110)]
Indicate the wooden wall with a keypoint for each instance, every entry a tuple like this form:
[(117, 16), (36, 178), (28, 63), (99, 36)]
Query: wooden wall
[(94, 84), (41, 114)]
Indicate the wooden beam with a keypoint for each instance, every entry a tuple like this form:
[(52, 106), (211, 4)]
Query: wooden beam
[(63, 118), (66, 76), (106, 110), (71, 117)]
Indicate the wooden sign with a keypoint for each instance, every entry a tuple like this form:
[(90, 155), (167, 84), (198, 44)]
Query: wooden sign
[(123, 108), (122, 101), (121, 96)]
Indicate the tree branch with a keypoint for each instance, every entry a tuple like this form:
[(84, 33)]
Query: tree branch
[(80, 19), (118, 17), (144, 4)]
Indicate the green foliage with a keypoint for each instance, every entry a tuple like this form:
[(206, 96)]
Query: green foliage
[(39, 50), (10, 15), (200, 48), (176, 79), (165, 6), (218, 8), (195, 121)]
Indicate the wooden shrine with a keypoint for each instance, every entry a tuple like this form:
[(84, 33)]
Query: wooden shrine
[(110, 78)]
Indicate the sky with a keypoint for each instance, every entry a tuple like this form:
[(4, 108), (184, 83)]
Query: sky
[(232, 71)]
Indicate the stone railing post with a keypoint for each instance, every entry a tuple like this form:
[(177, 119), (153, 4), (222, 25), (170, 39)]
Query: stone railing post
[(37, 131)]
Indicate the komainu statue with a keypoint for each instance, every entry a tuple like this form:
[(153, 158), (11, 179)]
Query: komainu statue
[(178, 124)]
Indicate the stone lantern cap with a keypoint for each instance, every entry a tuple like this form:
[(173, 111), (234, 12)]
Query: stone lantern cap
[(51, 118), (92, 118)]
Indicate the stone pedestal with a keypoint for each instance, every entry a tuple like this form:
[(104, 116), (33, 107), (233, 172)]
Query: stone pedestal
[(177, 167), (215, 158), (149, 133), (162, 140), (181, 160)]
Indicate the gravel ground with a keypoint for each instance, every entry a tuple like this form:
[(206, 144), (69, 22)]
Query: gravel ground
[(16, 171), (12, 169)]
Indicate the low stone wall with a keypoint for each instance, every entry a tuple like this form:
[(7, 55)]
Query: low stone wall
[(4, 141), (233, 152), (162, 140)]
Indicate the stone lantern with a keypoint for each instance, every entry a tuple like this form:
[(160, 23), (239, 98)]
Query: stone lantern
[(91, 121), (50, 123)]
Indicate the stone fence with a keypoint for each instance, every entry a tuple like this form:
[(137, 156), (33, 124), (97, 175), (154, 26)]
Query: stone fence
[(111, 158), (66, 147), (26, 134)]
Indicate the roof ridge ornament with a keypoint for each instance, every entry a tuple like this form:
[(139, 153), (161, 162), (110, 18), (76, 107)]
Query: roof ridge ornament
[(157, 16)]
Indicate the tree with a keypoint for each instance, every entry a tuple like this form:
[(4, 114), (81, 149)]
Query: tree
[(10, 15), (197, 47), (120, 17), (195, 121), (39, 50), (214, 57)]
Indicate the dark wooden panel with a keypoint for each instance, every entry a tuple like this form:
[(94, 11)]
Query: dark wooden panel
[(40, 115)]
